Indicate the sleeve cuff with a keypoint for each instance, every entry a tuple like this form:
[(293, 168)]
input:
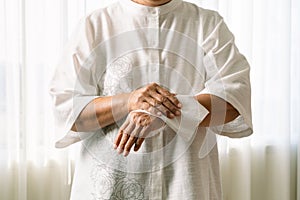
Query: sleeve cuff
[(65, 121), (192, 114)]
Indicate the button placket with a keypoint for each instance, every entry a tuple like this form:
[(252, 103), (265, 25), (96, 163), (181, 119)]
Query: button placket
[(157, 174), (153, 39)]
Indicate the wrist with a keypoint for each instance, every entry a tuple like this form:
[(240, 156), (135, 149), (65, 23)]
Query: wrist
[(126, 102)]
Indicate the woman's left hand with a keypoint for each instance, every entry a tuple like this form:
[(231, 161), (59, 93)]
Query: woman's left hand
[(134, 130)]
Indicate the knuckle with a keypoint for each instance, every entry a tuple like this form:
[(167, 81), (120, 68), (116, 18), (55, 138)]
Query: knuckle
[(148, 87), (169, 95), (131, 117), (166, 112), (140, 98), (150, 109), (143, 118), (163, 99), (169, 105), (173, 109), (163, 108), (146, 90), (175, 100), (125, 135), (135, 117), (139, 119), (141, 94), (153, 84), (146, 106)]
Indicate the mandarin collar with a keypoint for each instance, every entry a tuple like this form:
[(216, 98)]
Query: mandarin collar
[(137, 8)]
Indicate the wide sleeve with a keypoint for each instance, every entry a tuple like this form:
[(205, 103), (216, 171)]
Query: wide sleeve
[(227, 76), (74, 84), (192, 114)]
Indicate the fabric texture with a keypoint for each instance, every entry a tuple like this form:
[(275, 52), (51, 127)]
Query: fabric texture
[(192, 113), (188, 50)]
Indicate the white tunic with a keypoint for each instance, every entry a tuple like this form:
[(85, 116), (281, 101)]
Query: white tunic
[(188, 50)]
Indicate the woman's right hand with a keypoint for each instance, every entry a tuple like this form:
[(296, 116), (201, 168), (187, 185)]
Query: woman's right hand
[(154, 99)]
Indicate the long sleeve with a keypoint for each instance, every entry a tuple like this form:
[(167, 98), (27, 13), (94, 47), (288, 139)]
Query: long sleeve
[(227, 76), (73, 85)]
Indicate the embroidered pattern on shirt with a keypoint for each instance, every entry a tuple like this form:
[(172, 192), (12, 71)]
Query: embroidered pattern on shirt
[(114, 185)]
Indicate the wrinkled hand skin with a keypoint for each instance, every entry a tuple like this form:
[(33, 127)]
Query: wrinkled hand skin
[(134, 130), (155, 99)]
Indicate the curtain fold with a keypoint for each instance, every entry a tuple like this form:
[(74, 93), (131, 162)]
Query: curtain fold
[(32, 33), (264, 166)]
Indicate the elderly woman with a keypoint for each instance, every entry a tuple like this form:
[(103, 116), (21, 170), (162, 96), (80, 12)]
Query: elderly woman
[(146, 86)]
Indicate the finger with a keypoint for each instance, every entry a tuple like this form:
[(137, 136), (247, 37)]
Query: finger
[(118, 139), (151, 100), (167, 103), (161, 108), (150, 105), (144, 132), (145, 106), (155, 111), (125, 124), (123, 141), (152, 124), (164, 101), (138, 143), (126, 134), (131, 141), (141, 121), (169, 95), (120, 133), (157, 106)]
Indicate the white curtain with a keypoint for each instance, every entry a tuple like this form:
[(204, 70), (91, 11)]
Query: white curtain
[(264, 166)]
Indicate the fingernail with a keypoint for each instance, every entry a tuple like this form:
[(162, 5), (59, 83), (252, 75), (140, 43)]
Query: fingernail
[(172, 115), (115, 146), (177, 113), (179, 105), (120, 151), (126, 153)]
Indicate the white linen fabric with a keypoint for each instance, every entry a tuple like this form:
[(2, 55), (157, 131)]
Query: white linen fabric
[(124, 46)]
